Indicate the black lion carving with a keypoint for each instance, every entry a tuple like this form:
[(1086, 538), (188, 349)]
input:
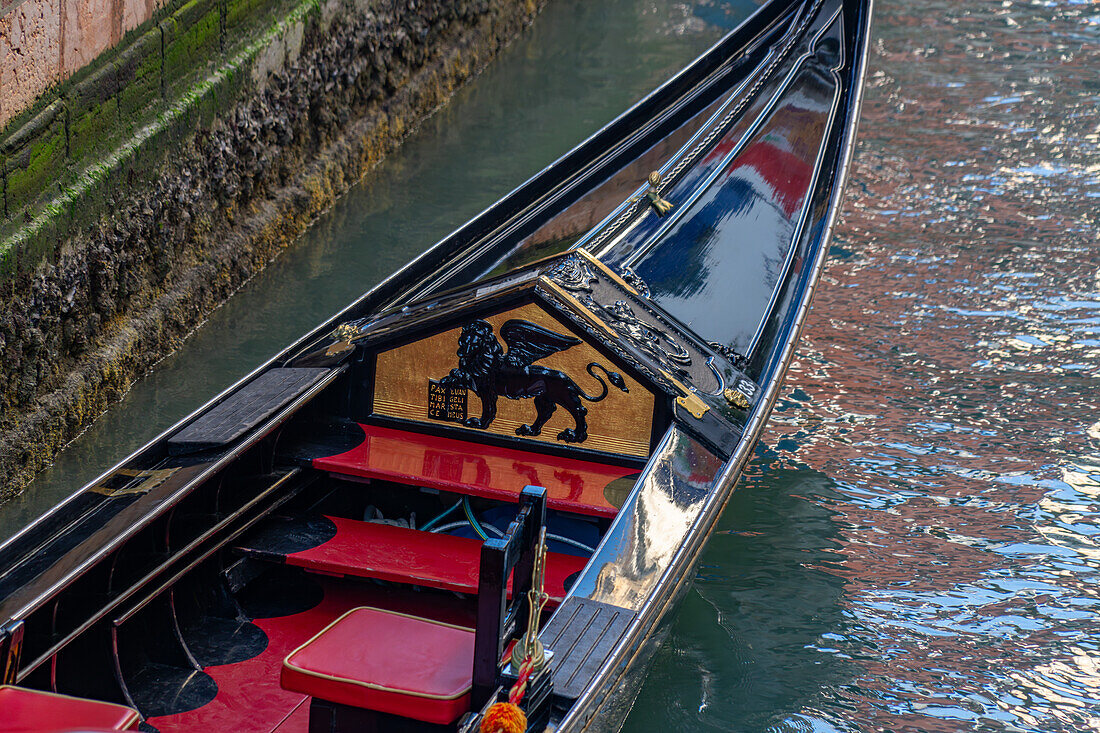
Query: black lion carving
[(485, 368)]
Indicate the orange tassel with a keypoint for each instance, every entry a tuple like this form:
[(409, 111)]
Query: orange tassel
[(504, 717)]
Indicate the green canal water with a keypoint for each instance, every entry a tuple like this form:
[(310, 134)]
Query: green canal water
[(915, 546)]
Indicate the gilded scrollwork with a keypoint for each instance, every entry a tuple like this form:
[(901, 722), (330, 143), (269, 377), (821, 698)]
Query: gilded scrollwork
[(574, 274), (634, 280), (655, 342), (739, 361)]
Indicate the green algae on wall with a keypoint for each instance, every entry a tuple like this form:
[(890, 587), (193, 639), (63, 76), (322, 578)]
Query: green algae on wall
[(139, 79), (191, 38), (31, 157), (106, 103)]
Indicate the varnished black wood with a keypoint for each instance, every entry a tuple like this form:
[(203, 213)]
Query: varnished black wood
[(11, 648), (498, 621), (282, 536), (244, 410), (581, 634)]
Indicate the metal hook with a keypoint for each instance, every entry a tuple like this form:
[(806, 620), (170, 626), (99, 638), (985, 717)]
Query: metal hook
[(721, 380)]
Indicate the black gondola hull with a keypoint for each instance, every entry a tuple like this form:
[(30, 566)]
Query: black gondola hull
[(760, 126)]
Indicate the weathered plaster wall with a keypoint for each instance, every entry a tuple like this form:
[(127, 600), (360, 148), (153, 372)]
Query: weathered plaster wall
[(43, 42), (233, 166)]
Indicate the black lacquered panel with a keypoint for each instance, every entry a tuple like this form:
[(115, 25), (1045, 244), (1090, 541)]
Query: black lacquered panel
[(244, 409), (582, 634)]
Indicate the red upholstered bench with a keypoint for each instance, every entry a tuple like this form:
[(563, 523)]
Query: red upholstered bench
[(33, 711), (387, 661), (371, 663)]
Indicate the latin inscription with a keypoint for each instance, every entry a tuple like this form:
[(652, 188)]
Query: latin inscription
[(446, 402)]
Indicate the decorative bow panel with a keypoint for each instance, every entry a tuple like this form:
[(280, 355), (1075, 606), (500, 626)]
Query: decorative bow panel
[(521, 373)]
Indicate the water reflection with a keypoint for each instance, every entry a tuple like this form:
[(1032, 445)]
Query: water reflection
[(635, 553), (749, 643), (752, 208), (947, 385)]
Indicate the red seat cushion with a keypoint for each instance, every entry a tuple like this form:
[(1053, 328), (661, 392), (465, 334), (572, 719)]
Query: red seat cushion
[(389, 662), (27, 711)]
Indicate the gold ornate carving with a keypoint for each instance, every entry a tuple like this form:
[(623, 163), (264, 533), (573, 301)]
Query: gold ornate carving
[(616, 277), (736, 399), (660, 205), (344, 334), (688, 399)]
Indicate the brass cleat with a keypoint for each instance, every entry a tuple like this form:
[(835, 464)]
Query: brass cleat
[(660, 205)]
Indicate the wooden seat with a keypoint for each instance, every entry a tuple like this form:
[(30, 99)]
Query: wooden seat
[(397, 554), (34, 711), (477, 469), (416, 668)]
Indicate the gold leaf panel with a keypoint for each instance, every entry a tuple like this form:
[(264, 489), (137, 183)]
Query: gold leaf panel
[(621, 423)]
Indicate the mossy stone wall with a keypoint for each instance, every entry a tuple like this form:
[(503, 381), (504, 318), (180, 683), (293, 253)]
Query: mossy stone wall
[(48, 147)]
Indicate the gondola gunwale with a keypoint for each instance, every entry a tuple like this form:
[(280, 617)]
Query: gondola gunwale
[(742, 95), (151, 576), (762, 116), (804, 215)]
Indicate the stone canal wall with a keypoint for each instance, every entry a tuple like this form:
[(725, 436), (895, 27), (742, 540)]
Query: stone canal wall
[(142, 191)]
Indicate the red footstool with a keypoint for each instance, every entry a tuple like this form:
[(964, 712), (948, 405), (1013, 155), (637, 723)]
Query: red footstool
[(388, 662), (33, 711)]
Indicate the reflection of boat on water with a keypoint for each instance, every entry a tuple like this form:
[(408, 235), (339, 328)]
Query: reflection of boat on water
[(774, 548), (325, 546)]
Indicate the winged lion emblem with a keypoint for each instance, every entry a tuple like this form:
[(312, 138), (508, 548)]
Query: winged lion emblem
[(490, 371)]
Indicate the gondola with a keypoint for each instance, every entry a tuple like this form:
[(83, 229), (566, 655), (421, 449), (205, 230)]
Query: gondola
[(486, 482)]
